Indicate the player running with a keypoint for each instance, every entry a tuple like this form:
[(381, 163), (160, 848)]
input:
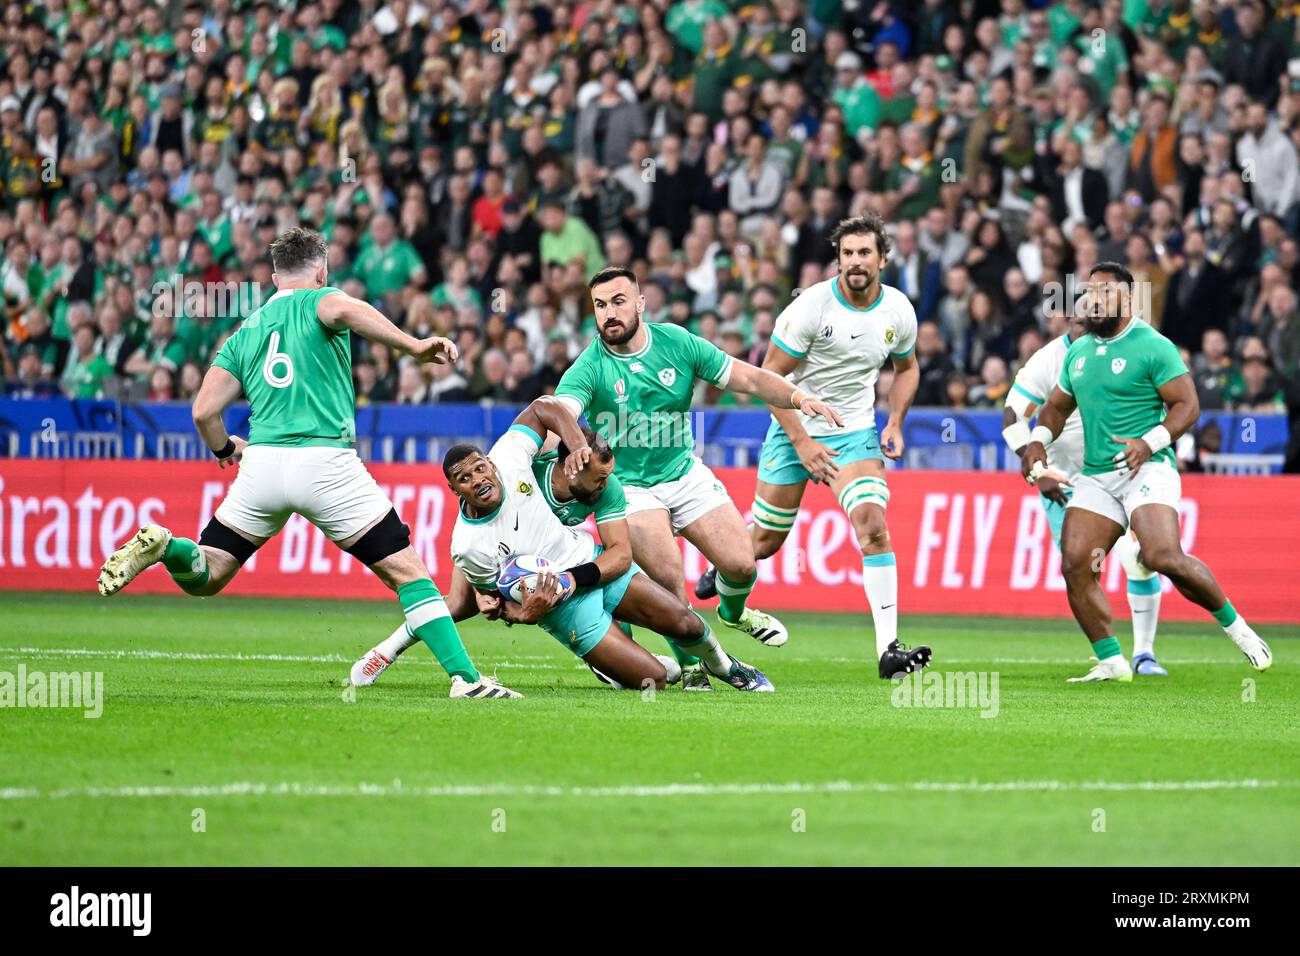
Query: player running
[(292, 359), (635, 382), (833, 340), (572, 495), (1127, 380), (503, 513), (1065, 462)]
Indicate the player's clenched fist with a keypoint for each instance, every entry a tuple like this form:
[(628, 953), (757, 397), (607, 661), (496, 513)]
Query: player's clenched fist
[(891, 441)]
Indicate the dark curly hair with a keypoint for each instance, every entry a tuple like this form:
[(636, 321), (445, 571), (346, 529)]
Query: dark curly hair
[(866, 225)]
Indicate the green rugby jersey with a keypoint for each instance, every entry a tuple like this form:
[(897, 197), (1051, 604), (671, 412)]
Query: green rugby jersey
[(1115, 383), (641, 402), (611, 506), (296, 373)]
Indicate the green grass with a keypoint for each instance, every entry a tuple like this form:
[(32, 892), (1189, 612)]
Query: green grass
[(181, 723)]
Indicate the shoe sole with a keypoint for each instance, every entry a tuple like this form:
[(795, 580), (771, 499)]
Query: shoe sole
[(112, 576)]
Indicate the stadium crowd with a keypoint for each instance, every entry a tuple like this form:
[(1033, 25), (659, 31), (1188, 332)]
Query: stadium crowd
[(473, 162)]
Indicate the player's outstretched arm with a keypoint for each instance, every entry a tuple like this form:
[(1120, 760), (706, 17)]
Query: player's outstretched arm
[(747, 379), (550, 414), (338, 310), (1051, 419), (220, 390), (907, 379), (1182, 410)]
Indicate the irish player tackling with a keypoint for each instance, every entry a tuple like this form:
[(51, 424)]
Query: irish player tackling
[(635, 384)]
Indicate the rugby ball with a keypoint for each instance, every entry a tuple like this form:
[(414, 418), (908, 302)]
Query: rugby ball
[(518, 576)]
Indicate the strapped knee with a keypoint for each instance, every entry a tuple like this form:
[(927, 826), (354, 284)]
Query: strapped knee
[(861, 491), (383, 540), (771, 518)]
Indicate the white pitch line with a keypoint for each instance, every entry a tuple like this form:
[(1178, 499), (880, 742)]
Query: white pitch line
[(514, 661), (396, 789), (140, 654)]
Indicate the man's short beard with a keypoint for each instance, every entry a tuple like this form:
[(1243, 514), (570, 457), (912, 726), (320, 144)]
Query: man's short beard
[(626, 337), (586, 497), (1104, 326)]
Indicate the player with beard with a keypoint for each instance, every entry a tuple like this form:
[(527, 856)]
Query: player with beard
[(833, 340), (635, 383), (1126, 379), (503, 512), (1035, 379)]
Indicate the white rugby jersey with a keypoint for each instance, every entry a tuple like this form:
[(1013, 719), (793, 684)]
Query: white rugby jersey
[(1034, 382), (842, 348), (523, 524)]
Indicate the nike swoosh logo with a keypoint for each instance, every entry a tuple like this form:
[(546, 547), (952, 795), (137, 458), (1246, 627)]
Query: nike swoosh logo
[(859, 335), (886, 607), (516, 522)]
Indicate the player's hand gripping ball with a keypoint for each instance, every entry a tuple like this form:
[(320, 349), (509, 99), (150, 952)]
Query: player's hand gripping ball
[(518, 576)]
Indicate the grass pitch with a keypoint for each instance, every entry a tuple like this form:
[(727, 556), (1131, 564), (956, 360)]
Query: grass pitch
[(226, 738)]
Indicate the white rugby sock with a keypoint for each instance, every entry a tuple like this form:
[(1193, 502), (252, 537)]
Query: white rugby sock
[(710, 651), (880, 582), (393, 645), (1146, 615)]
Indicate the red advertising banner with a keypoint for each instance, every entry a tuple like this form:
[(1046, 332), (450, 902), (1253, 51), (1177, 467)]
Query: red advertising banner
[(967, 542)]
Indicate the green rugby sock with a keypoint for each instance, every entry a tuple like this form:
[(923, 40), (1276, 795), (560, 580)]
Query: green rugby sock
[(732, 596), (429, 620), (187, 564), (1225, 615), (1106, 648)]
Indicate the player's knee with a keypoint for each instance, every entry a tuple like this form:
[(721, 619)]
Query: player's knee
[(1076, 565), (656, 676), (1163, 559), (740, 567), (872, 532), (687, 627)]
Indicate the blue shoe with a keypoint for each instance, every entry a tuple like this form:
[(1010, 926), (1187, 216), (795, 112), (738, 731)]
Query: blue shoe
[(743, 677), (1144, 665)]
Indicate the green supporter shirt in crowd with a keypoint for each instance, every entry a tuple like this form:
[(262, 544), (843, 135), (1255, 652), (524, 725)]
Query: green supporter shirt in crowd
[(610, 506), (575, 238), (641, 402), (861, 106), (387, 270), (86, 378), (686, 21), (1115, 382), (296, 373)]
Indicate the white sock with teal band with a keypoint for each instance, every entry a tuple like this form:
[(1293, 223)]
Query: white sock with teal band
[(1144, 603), (880, 581)]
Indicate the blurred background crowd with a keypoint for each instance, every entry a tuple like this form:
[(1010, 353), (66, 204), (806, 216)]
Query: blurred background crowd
[(472, 163)]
